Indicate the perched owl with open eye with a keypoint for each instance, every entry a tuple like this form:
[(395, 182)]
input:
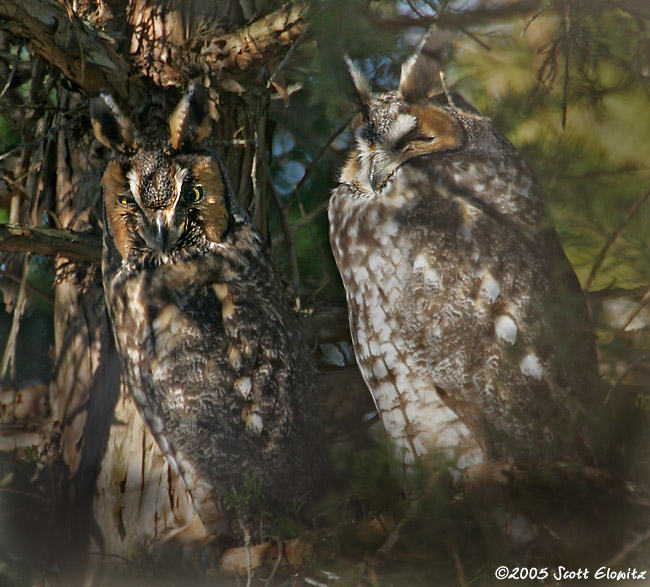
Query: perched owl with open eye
[(469, 326), (208, 343)]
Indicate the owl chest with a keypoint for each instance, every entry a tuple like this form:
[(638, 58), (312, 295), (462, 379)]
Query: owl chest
[(417, 280), (382, 254), (373, 251), (172, 326)]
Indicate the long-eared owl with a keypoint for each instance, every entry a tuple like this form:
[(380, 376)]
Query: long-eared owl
[(208, 344), (469, 325)]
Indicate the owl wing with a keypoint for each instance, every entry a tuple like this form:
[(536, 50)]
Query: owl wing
[(219, 384), (502, 316)]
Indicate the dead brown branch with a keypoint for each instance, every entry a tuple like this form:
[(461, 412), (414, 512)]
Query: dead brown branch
[(262, 39), (53, 35), (14, 437), (76, 246), (87, 56), (9, 354), (241, 559)]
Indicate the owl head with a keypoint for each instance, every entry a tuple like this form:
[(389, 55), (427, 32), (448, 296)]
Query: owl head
[(162, 200), (393, 127)]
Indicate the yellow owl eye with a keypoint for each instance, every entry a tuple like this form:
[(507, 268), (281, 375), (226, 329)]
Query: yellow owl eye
[(125, 199), (193, 195)]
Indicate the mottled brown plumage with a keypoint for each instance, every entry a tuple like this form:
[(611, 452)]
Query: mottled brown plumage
[(468, 323), (209, 346)]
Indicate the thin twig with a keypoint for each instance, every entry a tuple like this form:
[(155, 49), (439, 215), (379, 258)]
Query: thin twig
[(12, 73), (567, 53), (486, 12), (287, 238), (236, 142), (621, 378), (642, 304), (460, 573), (286, 58), (634, 11), (328, 271), (279, 545), (315, 160), (14, 440), (50, 132), (535, 16), (627, 549), (107, 555), (6, 106), (475, 38), (30, 288), (21, 492), (249, 560), (9, 355), (548, 69), (612, 237), (414, 9), (317, 211)]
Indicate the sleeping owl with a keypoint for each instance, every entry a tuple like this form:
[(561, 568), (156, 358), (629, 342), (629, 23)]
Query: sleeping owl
[(469, 325), (209, 346)]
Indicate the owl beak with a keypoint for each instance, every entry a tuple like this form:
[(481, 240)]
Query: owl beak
[(162, 231), (372, 176)]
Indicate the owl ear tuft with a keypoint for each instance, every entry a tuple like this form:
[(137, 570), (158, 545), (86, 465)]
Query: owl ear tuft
[(420, 78), (111, 127), (191, 121), (361, 84)]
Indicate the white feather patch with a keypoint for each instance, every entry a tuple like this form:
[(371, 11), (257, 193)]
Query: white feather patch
[(179, 177), (506, 329), (360, 81), (531, 367), (490, 288), (133, 176), (406, 69), (404, 124)]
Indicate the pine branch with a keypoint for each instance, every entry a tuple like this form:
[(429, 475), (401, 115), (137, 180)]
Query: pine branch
[(262, 39), (461, 18), (76, 246), (87, 58), (67, 42)]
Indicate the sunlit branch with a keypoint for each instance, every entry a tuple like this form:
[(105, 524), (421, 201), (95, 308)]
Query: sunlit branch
[(76, 246)]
